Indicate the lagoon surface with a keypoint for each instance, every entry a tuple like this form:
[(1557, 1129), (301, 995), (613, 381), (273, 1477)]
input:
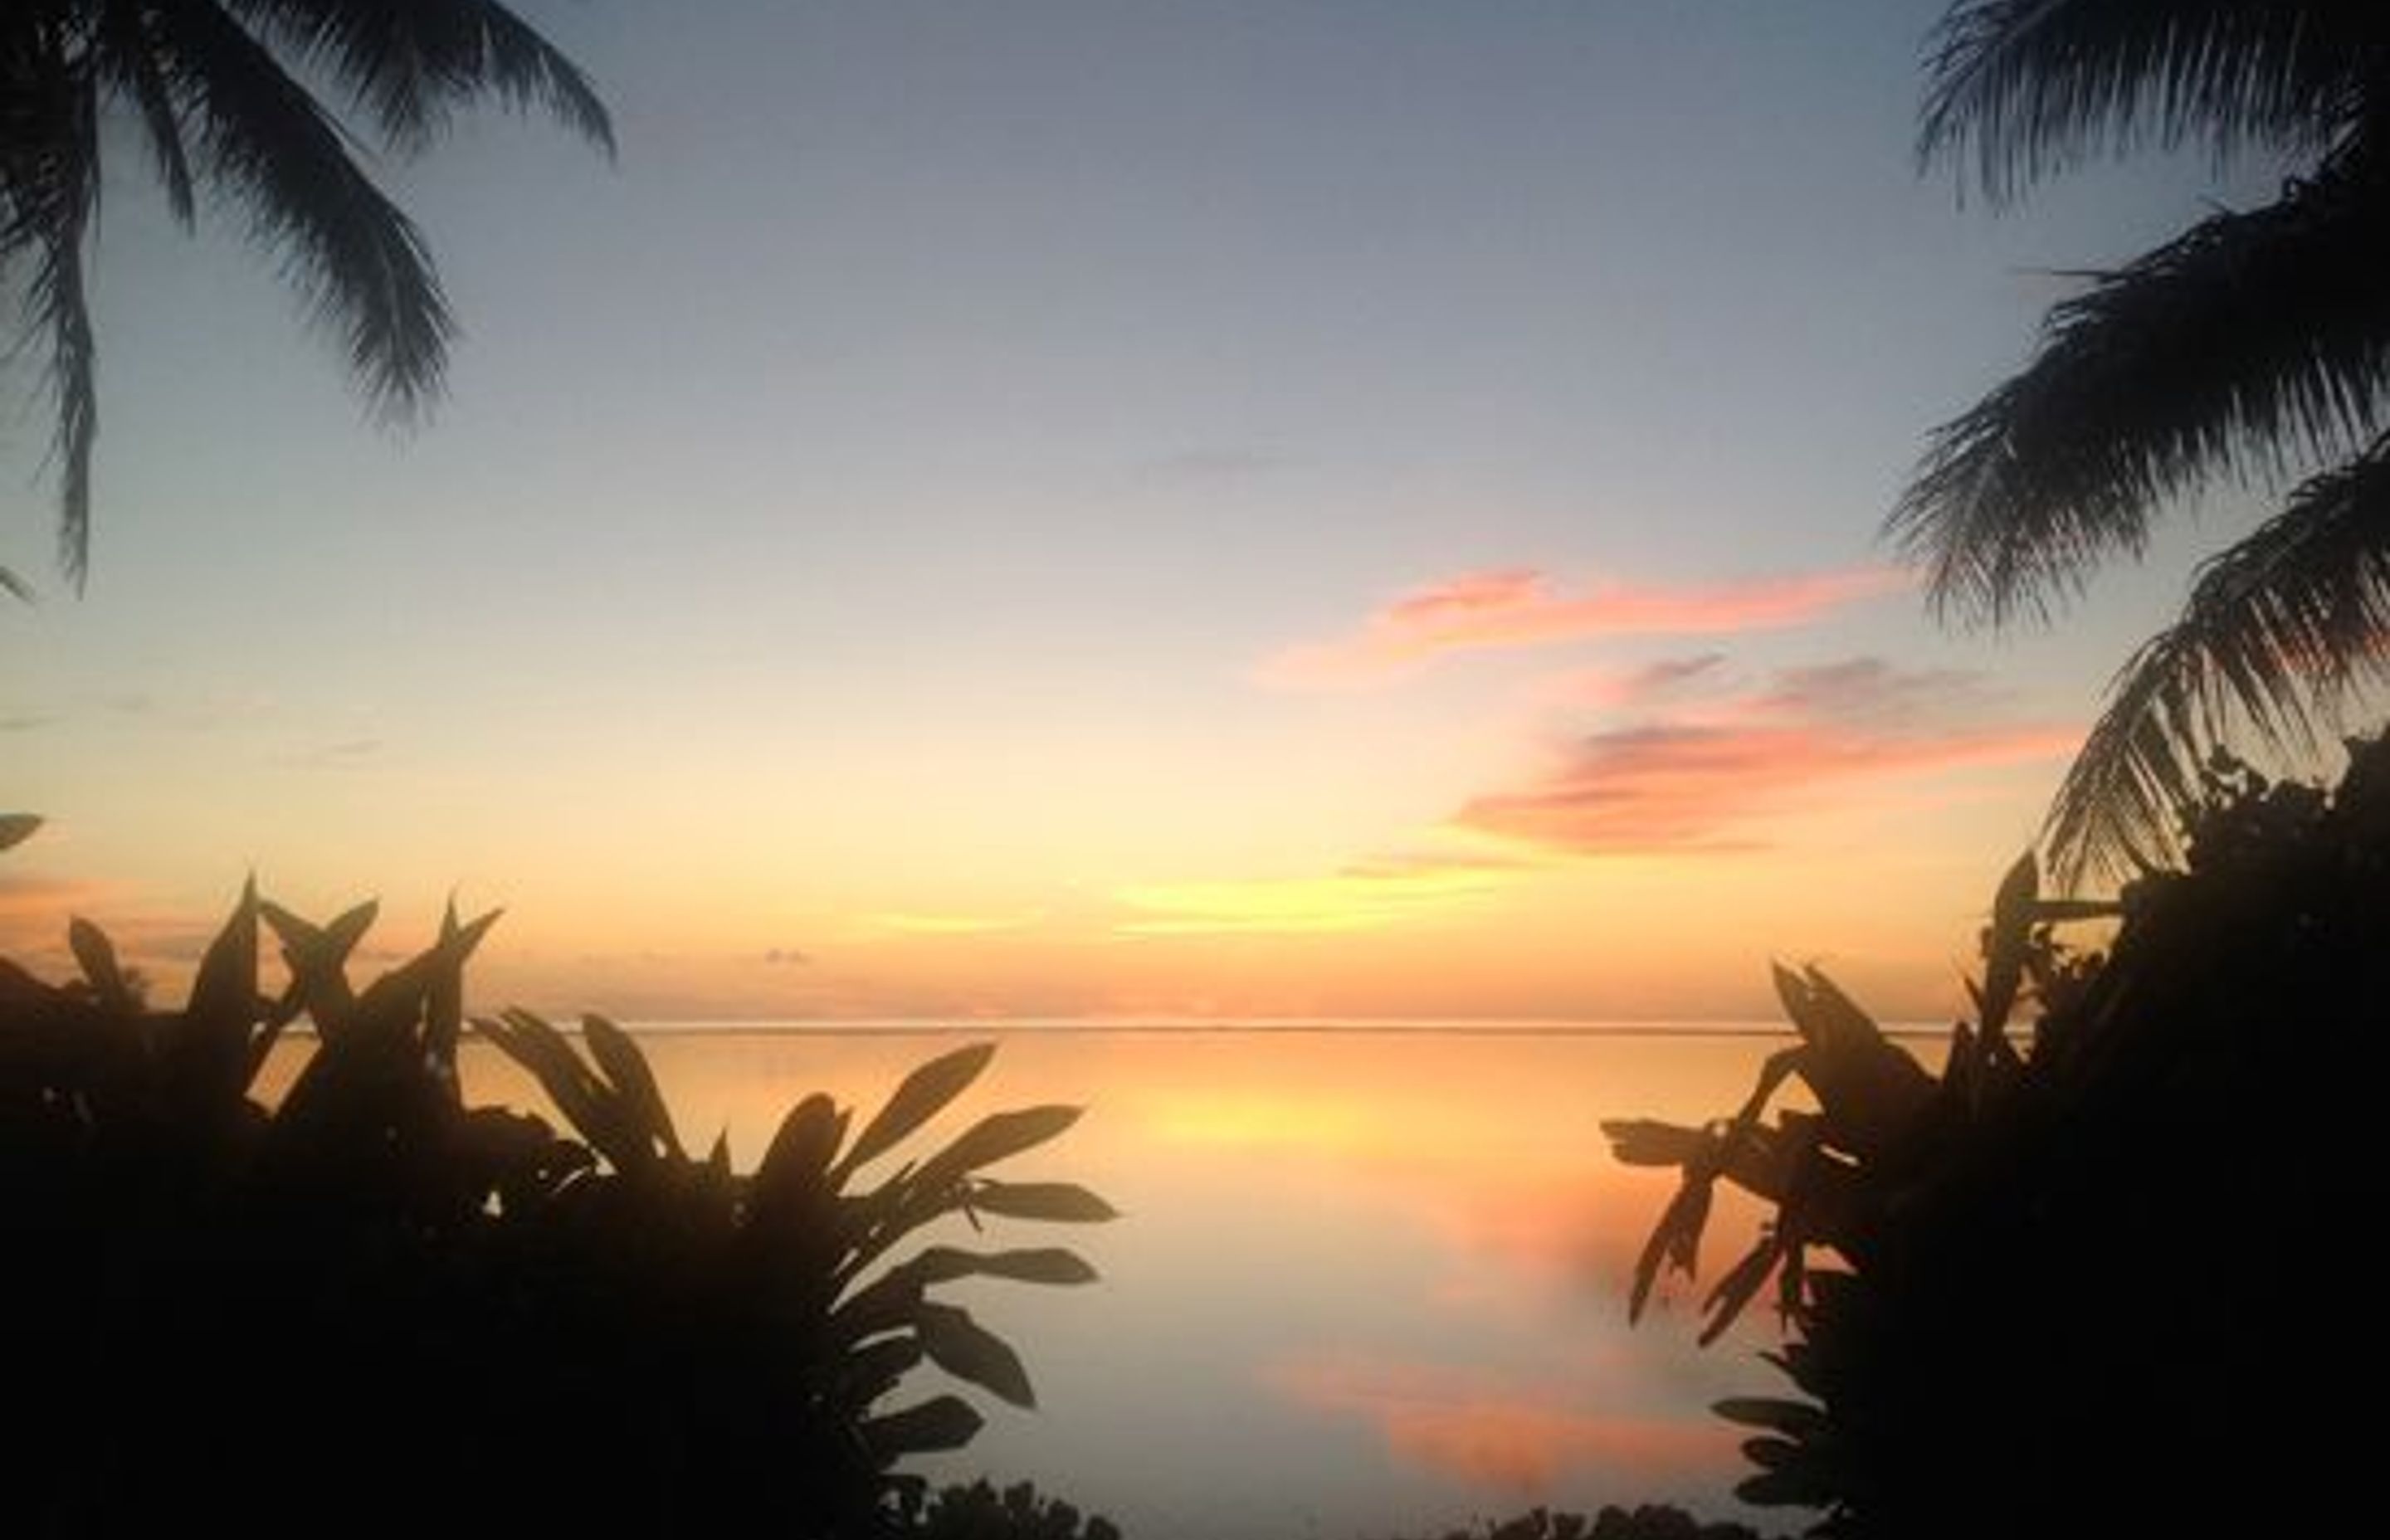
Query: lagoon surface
[(1366, 1282)]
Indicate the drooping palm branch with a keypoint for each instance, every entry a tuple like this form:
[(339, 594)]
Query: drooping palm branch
[(2279, 632), (49, 185), (2253, 343), (413, 62), (2034, 87), (213, 89), (2253, 350)]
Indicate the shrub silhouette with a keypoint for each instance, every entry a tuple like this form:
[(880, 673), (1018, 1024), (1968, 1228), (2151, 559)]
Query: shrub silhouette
[(2063, 1286), (1020, 1512), (1649, 1521), (372, 1307)]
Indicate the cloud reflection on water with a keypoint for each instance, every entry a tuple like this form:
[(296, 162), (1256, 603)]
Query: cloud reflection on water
[(1496, 1432)]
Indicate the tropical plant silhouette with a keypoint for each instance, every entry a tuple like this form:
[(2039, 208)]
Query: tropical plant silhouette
[(374, 1305), (2252, 349), (222, 93), (2065, 1286), (1019, 1512), (1647, 1521)]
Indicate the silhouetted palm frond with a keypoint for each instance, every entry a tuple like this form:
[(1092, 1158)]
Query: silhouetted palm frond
[(49, 185), (359, 261), (2254, 347), (2033, 87), (2253, 343), (2278, 633), (412, 63), (212, 86)]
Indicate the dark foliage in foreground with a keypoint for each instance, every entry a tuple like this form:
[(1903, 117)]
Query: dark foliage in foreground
[(374, 1308), (2083, 1284), (1019, 1512), (1649, 1522), (259, 109)]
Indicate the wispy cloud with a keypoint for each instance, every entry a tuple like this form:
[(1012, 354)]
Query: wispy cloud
[(1699, 779), (1370, 894), (1521, 607), (1482, 1429), (1618, 690)]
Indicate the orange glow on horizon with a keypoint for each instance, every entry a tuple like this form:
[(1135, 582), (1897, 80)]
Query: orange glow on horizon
[(1352, 900), (1515, 607)]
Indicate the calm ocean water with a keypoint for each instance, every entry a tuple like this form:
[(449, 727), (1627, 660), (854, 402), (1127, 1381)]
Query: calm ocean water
[(1368, 1281)]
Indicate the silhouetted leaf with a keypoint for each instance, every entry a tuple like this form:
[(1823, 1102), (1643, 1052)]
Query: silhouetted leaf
[(587, 1105), (1869, 1089), (1045, 1264), (886, 1304), (872, 1370), (2051, 911), (1677, 1237), (17, 828), (1792, 1284), (1055, 1203), (444, 995), (2004, 950), (1797, 1361), (1820, 1011), (792, 1185), (317, 959), (96, 955), (404, 1007), (1797, 1418), (627, 1067), (969, 1351), (1735, 1290), (997, 1137), (224, 1004), (923, 1095), (388, 1012), (1783, 1489), (934, 1426), (1642, 1142)]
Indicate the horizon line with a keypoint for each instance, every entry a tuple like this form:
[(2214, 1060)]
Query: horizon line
[(929, 1026)]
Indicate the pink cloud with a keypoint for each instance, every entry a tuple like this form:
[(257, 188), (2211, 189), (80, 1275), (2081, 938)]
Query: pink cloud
[(1696, 780), (1476, 1427), (1619, 689), (1518, 608)]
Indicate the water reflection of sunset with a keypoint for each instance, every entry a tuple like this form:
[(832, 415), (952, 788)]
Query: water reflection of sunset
[(1373, 1276)]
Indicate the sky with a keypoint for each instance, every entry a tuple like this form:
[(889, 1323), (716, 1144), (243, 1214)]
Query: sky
[(1090, 508)]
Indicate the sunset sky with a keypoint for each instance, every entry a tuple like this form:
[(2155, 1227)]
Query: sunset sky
[(1060, 508)]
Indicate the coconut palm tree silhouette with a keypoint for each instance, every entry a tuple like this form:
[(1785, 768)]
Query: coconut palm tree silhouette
[(218, 89), (2252, 349)]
